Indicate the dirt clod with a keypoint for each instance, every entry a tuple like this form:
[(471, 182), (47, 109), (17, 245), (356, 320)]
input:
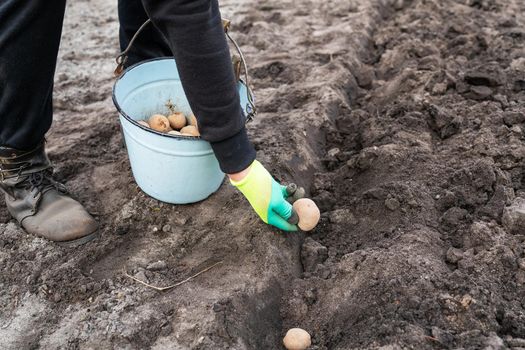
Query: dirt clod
[(157, 266), (312, 253), (514, 217), (454, 255)]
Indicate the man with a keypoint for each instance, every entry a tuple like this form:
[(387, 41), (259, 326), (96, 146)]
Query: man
[(190, 30)]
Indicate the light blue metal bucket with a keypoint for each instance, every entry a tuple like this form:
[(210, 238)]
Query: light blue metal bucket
[(171, 168)]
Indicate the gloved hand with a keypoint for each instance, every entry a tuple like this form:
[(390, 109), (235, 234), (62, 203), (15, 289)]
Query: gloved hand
[(267, 197)]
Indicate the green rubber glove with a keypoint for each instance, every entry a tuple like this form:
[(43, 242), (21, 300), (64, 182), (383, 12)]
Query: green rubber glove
[(267, 197)]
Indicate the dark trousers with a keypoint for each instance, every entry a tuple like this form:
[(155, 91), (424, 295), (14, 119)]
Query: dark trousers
[(190, 30)]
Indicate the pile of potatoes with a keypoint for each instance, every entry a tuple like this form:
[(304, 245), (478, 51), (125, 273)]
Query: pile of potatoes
[(174, 124)]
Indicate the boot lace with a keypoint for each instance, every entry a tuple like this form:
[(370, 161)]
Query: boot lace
[(42, 181)]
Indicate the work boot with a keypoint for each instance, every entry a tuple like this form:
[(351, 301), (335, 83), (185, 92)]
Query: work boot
[(40, 204)]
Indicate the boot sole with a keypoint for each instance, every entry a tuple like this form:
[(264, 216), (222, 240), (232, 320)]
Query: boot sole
[(79, 241)]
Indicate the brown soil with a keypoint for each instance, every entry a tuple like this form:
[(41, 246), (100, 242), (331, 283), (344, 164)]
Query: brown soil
[(403, 119)]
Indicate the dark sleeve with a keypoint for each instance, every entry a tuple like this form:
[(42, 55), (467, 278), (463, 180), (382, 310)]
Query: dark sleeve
[(196, 36)]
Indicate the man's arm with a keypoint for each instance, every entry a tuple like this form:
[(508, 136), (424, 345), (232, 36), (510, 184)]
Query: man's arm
[(196, 36)]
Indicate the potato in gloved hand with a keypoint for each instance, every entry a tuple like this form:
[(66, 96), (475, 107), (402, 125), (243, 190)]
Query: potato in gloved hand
[(267, 197)]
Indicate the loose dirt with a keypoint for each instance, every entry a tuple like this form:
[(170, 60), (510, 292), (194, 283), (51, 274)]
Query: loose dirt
[(404, 121)]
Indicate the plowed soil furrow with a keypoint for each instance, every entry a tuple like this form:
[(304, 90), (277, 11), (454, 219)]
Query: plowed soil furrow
[(419, 248)]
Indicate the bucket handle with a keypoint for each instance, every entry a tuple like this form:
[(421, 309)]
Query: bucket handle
[(237, 62)]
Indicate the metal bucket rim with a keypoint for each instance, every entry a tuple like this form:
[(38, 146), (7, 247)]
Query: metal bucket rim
[(134, 122)]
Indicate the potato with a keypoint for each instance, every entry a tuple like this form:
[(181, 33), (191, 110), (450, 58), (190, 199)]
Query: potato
[(143, 123), (159, 122), (177, 120), (174, 132), (190, 130), (193, 120), (308, 213), (297, 339)]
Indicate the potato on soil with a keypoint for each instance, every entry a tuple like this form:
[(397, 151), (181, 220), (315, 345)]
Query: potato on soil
[(177, 120), (308, 212), (297, 339), (159, 122), (190, 130), (143, 123)]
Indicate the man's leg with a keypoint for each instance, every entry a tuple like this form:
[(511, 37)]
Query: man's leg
[(149, 44), (29, 39)]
